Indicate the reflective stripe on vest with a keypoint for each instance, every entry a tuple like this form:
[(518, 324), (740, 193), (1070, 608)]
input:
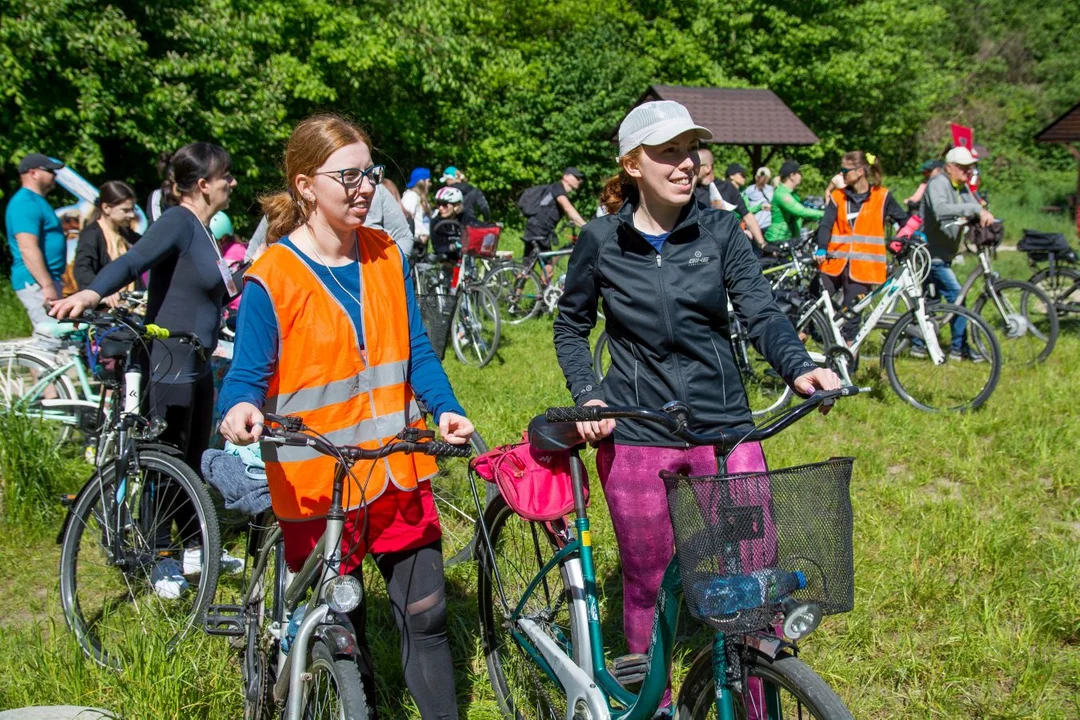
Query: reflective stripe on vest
[(862, 245), (352, 396)]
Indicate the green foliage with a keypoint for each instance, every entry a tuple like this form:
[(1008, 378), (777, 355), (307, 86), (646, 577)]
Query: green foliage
[(513, 91), (32, 471)]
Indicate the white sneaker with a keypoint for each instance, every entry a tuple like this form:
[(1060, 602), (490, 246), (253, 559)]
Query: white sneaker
[(193, 562), (167, 579)]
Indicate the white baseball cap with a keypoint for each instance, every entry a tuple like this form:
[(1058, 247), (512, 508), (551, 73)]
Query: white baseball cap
[(654, 123), (960, 156)]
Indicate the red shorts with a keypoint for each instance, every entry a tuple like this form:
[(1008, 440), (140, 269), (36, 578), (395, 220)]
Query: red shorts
[(396, 520)]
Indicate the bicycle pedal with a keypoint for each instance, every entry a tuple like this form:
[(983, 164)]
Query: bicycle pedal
[(630, 669), (225, 620)]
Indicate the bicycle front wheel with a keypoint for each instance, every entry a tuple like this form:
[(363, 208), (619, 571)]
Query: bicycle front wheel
[(476, 326), (1062, 285), (1025, 323), (782, 687), (334, 691), (140, 557), (518, 552), (517, 290), (971, 359)]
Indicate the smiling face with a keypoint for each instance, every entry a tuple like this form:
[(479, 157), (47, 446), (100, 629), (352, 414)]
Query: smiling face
[(665, 173), (340, 207)]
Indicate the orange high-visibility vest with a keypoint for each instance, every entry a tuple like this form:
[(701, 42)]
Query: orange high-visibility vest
[(352, 397), (864, 244)]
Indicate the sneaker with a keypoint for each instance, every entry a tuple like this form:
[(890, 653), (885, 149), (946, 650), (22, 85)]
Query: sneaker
[(969, 355), (919, 352), (168, 579), (193, 562)]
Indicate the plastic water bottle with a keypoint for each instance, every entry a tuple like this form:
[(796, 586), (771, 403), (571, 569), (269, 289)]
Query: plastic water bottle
[(732, 594), (294, 625)]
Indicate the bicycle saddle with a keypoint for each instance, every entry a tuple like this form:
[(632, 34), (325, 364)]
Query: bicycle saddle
[(553, 437)]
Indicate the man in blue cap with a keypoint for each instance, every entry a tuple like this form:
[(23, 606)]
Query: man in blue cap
[(36, 238), (415, 203), (475, 202)]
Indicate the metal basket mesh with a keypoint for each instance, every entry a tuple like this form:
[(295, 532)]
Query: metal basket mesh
[(794, 519)]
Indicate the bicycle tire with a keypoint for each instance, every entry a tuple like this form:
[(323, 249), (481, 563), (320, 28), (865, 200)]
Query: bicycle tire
[(476, 316), (800, 692), (178, 615), (898, 345), (521, 688), (816, 336), (601, 358), (1030, 338), (1063, 285), (343, 685), (12, 388), (517, 290)]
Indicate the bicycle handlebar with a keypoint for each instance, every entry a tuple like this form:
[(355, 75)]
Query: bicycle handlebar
[(293, 433), (675, 417), (127, 321)]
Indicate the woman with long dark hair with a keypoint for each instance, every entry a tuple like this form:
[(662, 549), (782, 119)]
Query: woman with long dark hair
[(188, 287), (107, 235)]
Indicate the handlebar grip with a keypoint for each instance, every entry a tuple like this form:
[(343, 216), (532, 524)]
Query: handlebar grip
[(445, 449), (572, 414)]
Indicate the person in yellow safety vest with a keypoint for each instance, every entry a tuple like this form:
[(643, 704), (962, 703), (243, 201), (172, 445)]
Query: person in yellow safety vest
[(330, 331), (851, 237)]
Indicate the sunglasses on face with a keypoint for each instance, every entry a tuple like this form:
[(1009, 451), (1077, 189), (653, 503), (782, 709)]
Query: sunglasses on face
[(443, 203), (352, 178), (45, 169), (846, 170)]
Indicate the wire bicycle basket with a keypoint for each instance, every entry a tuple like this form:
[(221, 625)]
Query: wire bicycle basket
[(437, 313), (739, 539)]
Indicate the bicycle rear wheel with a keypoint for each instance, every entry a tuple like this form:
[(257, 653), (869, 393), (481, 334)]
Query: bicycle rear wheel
[(128, 565), (20, 372), (955, 385), (521, 549), (784, 687), (517, 290), (1028, 329), (1063, 285), (476, 326)]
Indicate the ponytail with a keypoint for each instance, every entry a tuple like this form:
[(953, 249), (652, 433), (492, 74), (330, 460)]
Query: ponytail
[(868, 161), (621, 187), (283, 214)]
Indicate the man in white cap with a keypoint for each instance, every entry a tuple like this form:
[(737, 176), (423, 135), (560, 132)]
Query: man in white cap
[(947, 208)]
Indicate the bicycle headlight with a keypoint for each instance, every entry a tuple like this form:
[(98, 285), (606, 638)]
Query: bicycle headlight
[(800, 619), (343, 593)]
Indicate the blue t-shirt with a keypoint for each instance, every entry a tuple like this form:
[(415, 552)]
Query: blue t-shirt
[(30, 213), (657, 241)]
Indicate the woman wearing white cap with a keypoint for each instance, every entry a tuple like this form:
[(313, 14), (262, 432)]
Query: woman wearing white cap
[(759, 197), (665, 267)]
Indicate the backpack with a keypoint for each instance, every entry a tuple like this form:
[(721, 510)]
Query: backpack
[(534, 199)]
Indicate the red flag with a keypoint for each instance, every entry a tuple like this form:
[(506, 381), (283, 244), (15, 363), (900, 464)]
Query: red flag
[(962, 136)]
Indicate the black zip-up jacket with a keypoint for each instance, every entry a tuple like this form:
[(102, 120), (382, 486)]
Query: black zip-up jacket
[(667, 320)]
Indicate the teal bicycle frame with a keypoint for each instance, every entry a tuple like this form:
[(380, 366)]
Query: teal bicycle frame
[(68, 411), (584, 676)]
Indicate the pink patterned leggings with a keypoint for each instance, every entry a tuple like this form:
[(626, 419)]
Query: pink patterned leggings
[(637, 500)]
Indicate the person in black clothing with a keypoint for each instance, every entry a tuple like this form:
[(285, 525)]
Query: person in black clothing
[(862, 175), (539, 235), (188, 288), (446, 227), (665, 267), (474, 204), (107, 236), (730, 196)]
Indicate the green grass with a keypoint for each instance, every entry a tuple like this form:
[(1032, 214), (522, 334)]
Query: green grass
[(967, 541)]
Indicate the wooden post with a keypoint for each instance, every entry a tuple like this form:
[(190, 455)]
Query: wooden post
[(1076, 198)]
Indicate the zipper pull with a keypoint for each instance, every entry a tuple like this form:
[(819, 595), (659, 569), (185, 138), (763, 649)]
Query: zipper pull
[(658, 260)]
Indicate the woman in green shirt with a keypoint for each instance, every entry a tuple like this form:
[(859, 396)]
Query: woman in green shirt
[(788, 212)]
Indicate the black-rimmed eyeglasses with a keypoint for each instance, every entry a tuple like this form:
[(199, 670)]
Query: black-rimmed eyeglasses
[(352, 177)]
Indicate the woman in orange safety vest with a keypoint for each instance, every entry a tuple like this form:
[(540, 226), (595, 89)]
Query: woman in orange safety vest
[(329, 330), (851, 237)]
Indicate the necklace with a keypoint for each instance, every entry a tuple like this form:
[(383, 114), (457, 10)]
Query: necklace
[(311, 242)]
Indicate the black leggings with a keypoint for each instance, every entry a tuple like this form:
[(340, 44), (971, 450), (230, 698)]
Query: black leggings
[(417, 590), (188, 409), (853, 292)]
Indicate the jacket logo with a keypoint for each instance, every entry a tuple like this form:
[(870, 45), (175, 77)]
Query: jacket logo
[(698, 259)]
